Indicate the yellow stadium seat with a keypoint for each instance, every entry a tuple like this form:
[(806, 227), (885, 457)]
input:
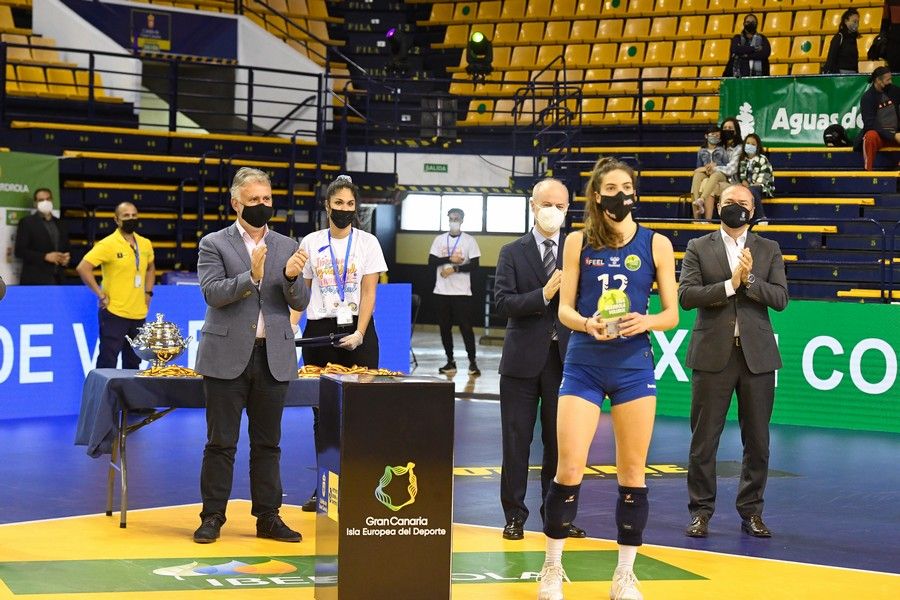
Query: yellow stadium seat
[(577, 54), (584, 30), (592, 110), (658, 53), (317, 8), (689, 7), (680, 79), (480, 111), (319, 29), (710, 77), (721, 6), (620, 110), (440, 11), (62, 82), (664, 28), (687, 52), (505, 32), (514, 81), (485, 28), (502, 56), (503, 114), (667, 7), (870, 18), (81, 78), (603, 54), (31, 79), (719, 26), (457, 34), (562, 8), (589, 7), (489, 10), (707, 109), (523, 56), (625, 79), (777, 4), (6, 18), (777, 23), (12, 85), (832, 20), (614, 7), (808, 21), (654, 78), (17, 54), (465, 11), (867, 66), (513, 9), (678, 109), (652, 108), (741, 6), (461, 87), (781, 49), (778, 69), (596, 81), (557, 31), (610, 29), (572, 76), (636, 28), (640, 7), (805, 68), (531, 32), (631, 52), (548, 53), (692, 27), (863, 43), (805, 48), (716, 52), (538, 8)]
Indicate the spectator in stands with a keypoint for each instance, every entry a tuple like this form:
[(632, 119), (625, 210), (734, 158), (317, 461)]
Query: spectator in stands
[(722, 175), (709, 156), (756, 173), (126, 265), (2, 288), (890, 29), (750, 52), (880, 109), (42, 243), (455, 255), (843, 54)]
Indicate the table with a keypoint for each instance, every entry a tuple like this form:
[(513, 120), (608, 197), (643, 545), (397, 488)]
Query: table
[(109, 394)]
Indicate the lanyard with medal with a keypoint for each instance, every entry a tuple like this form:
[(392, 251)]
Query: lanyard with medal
[(344, 314), (137, 263), (453, 251)]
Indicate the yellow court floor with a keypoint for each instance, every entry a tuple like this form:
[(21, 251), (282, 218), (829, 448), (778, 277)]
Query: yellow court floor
[(91, 557)]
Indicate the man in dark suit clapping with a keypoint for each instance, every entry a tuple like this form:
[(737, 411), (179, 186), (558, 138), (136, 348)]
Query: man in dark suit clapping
[(526, 291), (733, 277)]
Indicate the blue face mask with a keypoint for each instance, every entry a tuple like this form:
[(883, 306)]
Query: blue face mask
[(750, 149)]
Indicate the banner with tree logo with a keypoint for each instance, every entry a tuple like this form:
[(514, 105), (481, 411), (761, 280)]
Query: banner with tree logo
[(793, 111)]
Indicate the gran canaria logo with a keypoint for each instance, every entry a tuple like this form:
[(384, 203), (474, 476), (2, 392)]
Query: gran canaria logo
[(234, 567), (386, 479)]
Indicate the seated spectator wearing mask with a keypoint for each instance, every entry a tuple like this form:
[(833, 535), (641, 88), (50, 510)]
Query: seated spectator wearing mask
[(879, 107), (722, 175), (709, 156), (750, 52), (756, 173), (843, 54)]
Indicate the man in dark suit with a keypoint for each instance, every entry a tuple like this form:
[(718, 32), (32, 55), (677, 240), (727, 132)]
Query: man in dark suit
[(732, 276), (526, 291), (42, 243), (249, 276)]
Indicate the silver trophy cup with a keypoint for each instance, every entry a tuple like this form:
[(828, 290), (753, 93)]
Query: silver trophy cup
[(158, 342)]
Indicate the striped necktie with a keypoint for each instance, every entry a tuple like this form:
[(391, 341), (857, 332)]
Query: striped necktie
[(549, 268)]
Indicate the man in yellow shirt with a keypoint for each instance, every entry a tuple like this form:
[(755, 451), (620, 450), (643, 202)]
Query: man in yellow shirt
[(126, 265)]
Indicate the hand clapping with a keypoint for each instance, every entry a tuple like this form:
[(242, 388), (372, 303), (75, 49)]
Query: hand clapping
[(295, 263), (258, 263)]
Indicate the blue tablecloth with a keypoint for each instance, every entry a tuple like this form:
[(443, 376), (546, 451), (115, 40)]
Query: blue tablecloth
[(107, 391)]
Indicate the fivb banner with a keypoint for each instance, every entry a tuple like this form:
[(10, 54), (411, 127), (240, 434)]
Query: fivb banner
[(793, 111), (49, 340), (840, 365), (20, 175)]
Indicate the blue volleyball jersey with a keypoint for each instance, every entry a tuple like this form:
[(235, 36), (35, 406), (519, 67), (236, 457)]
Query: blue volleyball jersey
[(631, 270)]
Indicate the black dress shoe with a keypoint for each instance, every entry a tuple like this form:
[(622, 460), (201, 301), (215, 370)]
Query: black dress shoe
[(514, 530), (208, 532), (699, 527), (311, 504), (274, 528), (575, 531), (754, 526)]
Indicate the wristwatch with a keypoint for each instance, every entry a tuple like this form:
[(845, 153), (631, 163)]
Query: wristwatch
[(148, 292), (751, 279)]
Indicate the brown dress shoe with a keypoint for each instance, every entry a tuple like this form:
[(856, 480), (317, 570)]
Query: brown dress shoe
[(699, 527), (754, 526)]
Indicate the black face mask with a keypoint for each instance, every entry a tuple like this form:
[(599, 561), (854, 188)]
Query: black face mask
[(734, 215), (888, 88), (727, 135), (750, 27), (129, 226), (618, 206), (257, 215), (342, 218)]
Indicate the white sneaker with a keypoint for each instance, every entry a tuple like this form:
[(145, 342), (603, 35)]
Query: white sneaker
[(624, 585), (551, 578)]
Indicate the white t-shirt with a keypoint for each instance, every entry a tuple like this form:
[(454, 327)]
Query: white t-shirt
[(365, 258), (444, 245)]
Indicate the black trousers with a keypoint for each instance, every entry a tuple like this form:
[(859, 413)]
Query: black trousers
[(113, 330), (520, 400), (263, 397), (455, 309), (710, 398), (365, 355)]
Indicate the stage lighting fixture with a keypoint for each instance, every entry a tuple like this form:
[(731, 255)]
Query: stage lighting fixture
[(479, 56)]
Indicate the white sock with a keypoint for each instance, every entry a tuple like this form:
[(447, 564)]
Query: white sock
[(554, 551), (627, 555)]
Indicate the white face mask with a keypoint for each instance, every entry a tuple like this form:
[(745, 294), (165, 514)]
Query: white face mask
[(45, 207), (550, 218), (455, 228)]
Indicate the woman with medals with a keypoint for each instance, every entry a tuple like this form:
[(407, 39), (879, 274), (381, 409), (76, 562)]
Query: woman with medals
[(342, 273), (608, 273)]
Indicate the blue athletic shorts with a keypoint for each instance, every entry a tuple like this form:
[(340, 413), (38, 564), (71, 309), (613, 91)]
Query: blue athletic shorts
[(595, 383)]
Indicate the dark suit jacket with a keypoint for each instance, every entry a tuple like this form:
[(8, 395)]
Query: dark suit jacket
[(702, 286), (519, 296), (32, 243)]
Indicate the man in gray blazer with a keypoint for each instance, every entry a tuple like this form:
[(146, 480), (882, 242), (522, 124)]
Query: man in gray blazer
[(732, 276), (249, 276)]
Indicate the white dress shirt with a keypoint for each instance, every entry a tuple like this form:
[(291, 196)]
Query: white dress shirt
[(733, 250), (250, 244)]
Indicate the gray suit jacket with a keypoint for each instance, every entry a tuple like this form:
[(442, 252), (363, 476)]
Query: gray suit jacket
[(233, 305), (702, 286)]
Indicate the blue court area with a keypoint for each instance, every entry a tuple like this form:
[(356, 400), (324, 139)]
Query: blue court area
[(833, 496)]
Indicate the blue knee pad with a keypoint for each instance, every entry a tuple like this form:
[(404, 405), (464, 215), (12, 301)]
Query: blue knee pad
[(560, 508), (632, 510)]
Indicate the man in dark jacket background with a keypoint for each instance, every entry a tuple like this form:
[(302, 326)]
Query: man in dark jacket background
[(42, 243)]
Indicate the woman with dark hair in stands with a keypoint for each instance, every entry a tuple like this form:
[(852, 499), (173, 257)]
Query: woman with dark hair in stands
[(709, 156), (608, 272), (756, 173), (722, 175), (843, 55)]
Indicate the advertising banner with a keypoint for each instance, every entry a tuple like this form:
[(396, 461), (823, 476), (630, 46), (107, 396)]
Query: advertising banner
[(793, 111), (21, 174), (49, 340), (840, 366)]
